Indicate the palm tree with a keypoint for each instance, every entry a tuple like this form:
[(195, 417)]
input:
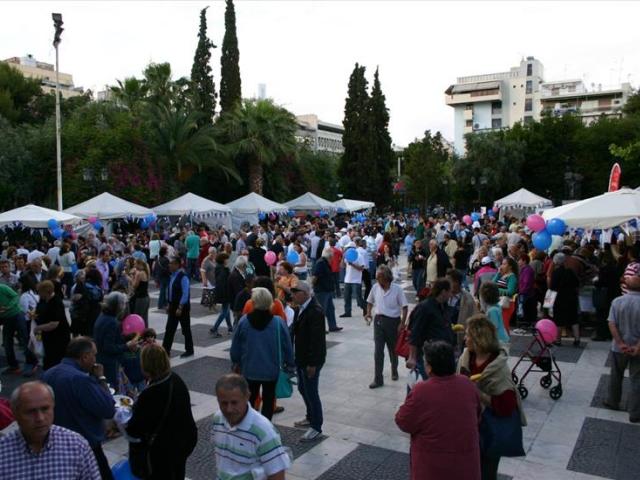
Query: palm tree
[(130, 92), (260, 132), (178, 141)]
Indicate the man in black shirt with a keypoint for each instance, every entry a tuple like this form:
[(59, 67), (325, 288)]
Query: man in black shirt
[(323, 288)]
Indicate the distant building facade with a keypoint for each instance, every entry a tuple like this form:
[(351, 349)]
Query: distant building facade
[(500, 100), (320, 136), (46, 73)]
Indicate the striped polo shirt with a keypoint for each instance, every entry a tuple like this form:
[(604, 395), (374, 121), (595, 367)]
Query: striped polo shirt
[(251, 449)]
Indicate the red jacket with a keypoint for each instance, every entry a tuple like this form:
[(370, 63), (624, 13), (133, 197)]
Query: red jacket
[(336, 259)]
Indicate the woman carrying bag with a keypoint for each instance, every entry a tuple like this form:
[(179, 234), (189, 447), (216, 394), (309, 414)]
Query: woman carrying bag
[(485, 362), (260, 346), (162, 421)]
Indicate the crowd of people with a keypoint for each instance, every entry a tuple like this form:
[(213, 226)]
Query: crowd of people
[(273, 285)]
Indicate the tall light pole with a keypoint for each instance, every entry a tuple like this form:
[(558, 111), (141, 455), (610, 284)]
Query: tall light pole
[(57, 23)]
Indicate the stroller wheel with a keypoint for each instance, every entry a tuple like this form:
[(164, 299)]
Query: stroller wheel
[(514, 377), (523, 391), (556, 392), (545, 382)]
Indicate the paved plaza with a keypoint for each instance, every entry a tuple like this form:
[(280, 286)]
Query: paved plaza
[(570, 438)]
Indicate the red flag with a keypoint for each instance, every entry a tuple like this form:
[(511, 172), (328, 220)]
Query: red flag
[(614, 178)]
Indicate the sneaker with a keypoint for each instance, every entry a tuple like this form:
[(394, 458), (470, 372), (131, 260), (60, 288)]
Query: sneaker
[(310, 435), (12, 371), (373, 385), (394, 376), (345, 315), (230, 331), (215, 333), (304, 423), (337, 329), (186, 354)]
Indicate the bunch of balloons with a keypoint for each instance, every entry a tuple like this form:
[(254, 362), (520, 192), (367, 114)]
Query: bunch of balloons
[(546, 233), (469, 219), (148, 221), (95, 223), (55, 229), (292, 257)]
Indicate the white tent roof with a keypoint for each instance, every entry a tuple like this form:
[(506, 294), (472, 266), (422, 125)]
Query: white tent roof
[(254, 203), (353, 205), (106, 207), (309, 201), (523, 198), (36, 217), (192, 204), (603, 211)]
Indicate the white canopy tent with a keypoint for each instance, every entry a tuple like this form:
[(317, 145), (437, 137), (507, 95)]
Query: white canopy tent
[(247, 208), (352, 205), (108, 207), (521, 202), (310, 201), (34, 216), (603, 211), (197, 207)]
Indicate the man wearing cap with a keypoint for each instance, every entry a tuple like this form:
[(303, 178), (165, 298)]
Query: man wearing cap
[(310, 353), (485, 273)]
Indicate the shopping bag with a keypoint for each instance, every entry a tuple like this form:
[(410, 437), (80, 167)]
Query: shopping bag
[(501, 436), (549, 298), (403, 347)]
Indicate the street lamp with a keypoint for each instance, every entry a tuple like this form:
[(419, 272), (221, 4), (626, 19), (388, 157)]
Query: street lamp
[(57, 23)]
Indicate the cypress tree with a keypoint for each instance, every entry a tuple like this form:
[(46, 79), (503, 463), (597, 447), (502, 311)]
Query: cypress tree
[(382, 154), (230, 83), (355, 169), (203, 89)]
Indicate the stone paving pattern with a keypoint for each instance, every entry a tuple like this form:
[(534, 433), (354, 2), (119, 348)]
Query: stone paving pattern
[(358, 419)]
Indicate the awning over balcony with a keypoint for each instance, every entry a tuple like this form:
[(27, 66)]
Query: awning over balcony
[(472, 87)]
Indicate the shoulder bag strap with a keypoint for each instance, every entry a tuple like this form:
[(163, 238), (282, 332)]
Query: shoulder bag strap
[(165, 413), (278, 346)]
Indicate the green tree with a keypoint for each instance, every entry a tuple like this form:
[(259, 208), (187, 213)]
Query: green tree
[(319, 173), (424, 168), (203, 89), (356, 169), (17, 94), (258, 133), (632, 107), (230, 82), (382, 154), (130, 92)]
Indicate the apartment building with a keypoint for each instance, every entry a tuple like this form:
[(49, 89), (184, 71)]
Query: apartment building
[(46, 73), (319, 135)]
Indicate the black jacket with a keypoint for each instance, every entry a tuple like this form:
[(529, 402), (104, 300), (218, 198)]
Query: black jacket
[(221, 293), (236, 284), (309, 336), (443, 263)]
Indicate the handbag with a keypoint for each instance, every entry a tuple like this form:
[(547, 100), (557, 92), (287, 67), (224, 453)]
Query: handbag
[(283, 385), (403, 348), (208, 297), (140, 452), (501, 436), (549, 298)]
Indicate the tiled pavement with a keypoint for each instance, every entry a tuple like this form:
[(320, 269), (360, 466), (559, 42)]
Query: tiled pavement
[(561, 439)]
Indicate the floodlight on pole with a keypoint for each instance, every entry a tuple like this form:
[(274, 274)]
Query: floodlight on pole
[(57, 23)]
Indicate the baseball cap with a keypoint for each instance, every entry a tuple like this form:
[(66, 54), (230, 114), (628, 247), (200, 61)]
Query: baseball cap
[(486, 261)]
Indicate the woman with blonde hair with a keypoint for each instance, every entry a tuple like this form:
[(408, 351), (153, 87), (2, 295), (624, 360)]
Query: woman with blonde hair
[(485, 361), (139, 303), (162, 421)]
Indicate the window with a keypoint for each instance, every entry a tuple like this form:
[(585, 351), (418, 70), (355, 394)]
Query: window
[(529, 87), (496, 123), (496, 108), (468, 123), (529, 69), (468, 106), (528, 104), (528, 119)]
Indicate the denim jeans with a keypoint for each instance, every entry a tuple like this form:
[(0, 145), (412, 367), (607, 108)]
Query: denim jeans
[(351, 289), (336, 283), (16, 326), (225, 314), (162, 297), (417, 279), (325, 299), (192, 268), (308, 388)]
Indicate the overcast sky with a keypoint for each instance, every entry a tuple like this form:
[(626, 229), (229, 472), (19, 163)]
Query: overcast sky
[(304, 51)]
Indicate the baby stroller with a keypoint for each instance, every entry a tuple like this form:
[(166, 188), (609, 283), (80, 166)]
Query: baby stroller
[(540, 355)]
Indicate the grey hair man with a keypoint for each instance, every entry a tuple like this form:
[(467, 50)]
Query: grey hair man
[(391, 308), (38, 449)]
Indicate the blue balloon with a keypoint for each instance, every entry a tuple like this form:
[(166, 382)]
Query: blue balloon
[(57, 232), (52, 223), (351, 255), (291, 213), (556, 226), (144, 224), (542, 240), (122, 471), (292, 257), (491, 213), (261, 216), (97, 225), (475, 216)]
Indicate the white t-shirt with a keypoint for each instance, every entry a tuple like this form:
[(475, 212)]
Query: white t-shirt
[(353, 275), (344, 241), (389, 303), (34, 255)]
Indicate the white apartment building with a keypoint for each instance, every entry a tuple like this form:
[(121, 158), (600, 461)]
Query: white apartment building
[(500, 100), (495, 100), (45, 72), (320, 136)]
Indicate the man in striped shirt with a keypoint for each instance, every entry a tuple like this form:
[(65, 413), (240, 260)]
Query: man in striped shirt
[(247, 444)]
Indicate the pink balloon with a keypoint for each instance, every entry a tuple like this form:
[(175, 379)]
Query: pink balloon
[(547, 330), (467, 220), (132, 323), (536, 223), (496, 209), (270, 257), (92, 220)]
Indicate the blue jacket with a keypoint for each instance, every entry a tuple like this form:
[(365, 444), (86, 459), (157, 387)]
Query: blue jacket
[(256, 350), (110, 344), (82, 403)]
